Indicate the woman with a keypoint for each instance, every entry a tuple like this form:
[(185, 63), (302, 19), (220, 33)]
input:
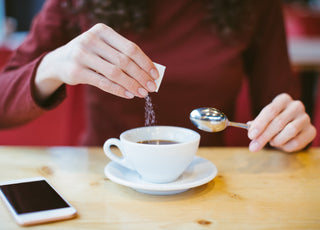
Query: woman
[(209, 47)]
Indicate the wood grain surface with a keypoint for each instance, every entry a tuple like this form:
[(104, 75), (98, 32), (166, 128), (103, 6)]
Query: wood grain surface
[(265, 190)]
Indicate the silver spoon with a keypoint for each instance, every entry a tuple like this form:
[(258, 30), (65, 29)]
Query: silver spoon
[(212, 120)]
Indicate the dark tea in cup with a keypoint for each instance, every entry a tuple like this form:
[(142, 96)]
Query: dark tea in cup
[(158, 142)]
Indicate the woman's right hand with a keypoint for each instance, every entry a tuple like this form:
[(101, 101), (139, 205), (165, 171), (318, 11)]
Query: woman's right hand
[(100, 57)]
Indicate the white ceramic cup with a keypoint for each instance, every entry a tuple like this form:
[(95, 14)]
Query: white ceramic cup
[(155, 163)]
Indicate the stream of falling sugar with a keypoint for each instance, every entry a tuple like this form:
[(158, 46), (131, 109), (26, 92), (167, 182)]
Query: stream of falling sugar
[(150, 116)]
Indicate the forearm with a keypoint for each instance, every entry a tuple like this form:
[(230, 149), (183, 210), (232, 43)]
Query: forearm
[(17, 98), (16, 101)]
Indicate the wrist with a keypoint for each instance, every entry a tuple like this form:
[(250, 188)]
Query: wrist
[(46, 80)]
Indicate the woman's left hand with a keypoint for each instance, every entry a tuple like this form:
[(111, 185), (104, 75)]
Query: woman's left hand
[(284, 124)]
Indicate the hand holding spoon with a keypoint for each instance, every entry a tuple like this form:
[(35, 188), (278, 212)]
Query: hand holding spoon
[(212, 120)]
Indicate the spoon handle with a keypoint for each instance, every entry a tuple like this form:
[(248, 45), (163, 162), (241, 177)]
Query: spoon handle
[(239, 125)]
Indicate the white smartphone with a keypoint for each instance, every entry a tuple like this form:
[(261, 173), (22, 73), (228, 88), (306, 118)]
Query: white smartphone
[(34, 201)]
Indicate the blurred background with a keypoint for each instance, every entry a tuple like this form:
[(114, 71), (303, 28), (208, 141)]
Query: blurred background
[(302, 21)]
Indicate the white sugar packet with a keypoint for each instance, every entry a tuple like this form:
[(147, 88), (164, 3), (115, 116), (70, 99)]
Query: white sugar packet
[(161, 70)]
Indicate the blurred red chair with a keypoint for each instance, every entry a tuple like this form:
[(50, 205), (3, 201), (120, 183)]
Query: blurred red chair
[(301, 21)]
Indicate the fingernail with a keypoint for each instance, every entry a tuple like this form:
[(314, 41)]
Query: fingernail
[(253, 134), (154, 73), (129, 95), (151, 86), (254, 146), (143, 92)]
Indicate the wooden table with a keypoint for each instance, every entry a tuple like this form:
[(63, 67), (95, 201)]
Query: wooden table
[(265, 190)]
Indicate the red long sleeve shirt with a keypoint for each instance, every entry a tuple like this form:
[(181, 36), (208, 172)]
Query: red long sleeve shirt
[(202, 70)]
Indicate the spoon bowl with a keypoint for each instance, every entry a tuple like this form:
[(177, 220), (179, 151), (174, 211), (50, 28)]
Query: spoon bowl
[(212, 120)]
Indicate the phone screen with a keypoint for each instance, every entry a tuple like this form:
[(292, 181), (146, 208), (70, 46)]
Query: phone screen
[(32, 196)]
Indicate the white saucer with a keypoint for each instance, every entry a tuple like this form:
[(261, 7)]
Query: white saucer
[(199, 172)]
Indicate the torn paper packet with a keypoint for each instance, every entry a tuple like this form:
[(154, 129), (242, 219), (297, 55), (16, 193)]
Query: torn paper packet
[(161, 70)]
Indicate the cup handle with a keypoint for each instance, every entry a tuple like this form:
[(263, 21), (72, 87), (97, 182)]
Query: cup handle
[(120, 160)]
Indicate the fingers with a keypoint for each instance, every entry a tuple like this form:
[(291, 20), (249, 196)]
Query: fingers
[(267, 114), (300, 141), (290, 131), (127, 48), (272, 120), (283, 123), (128, 68), (106, 52), (95, 79), (115, 74)]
